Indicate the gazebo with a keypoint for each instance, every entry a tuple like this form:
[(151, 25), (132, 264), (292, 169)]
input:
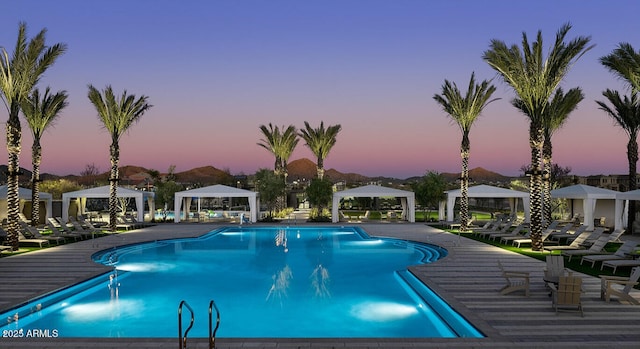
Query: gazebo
[(622, 202), (407, 199), (486, 191), (590, 200), (24, 195), (81, 197), (184, 198)]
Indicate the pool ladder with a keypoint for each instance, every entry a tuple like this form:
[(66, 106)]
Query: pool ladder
[(182, 336)]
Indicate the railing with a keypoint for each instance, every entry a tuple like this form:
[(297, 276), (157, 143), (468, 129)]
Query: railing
[(182, 338), (212, 331)]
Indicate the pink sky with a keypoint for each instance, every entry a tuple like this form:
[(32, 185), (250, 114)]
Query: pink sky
[(215, 72)]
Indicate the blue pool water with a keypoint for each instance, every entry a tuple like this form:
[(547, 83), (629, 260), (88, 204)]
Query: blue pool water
[(270, 282)]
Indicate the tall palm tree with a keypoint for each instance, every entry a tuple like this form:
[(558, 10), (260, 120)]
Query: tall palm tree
[(19, 74), (117, 116), (40, 113), (534, 78), (281, 143), (626, 114), (624, 62), (464, 110), (557, 113), (320, 141)]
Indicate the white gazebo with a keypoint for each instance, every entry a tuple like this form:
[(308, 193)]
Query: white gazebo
[(407, 199), (81, 197), (622, 204), (592, 201), (184, 198), (24, 195), (486, 191)]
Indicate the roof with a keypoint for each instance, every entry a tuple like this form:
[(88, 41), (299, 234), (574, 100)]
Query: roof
[(373, 191), (217, 190), (24, 193), (629, 195), (104, 192), (582, 191), (489, 191)]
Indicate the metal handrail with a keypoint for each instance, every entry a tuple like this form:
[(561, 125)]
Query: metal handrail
[(212, 332), (183, 339)]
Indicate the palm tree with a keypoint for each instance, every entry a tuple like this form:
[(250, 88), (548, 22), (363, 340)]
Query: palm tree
[(624, 62), (534, 78), (281, 144), (40, 113), (626, 114), (320, 141), (557, 113), (464, 110), (117, 116), (19, 74)]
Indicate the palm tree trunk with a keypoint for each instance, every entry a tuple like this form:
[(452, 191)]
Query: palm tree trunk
[(14, 136), (632, 156), (547, 151), (36, 156), (320, 168), (464, 183), (536, 139), (113, 189)]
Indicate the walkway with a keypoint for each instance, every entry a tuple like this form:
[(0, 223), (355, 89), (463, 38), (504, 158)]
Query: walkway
[(468, 279)]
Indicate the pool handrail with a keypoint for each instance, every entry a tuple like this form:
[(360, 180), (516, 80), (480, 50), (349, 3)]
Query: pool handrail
[(212, 332), (183, 339)]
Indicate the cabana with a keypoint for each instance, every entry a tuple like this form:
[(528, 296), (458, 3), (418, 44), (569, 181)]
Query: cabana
[(592, 201), (486, 191), (81, 197), (621, 210), (407, 199), (24, 195), (184, 198)]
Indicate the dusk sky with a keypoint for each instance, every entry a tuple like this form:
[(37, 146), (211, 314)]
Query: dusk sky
[(215, 71)]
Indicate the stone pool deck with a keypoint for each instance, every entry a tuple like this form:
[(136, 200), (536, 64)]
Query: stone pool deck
[(468, 278)]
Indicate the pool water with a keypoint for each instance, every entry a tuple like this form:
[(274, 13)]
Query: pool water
[(268, 282)]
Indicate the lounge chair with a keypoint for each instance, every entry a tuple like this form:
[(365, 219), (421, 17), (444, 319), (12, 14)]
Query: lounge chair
[(502, 230), (24, 241), (365, 216), (567, 294), (527, 240), (567, 234), (616, 263), (610, 286), (596, 248), (615, 235), (621, 253), (516, 233), (576, 244), (516, 281), (33, 233), (58, 230)]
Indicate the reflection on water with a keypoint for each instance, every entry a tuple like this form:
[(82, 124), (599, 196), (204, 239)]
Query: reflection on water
[(320, 281), (281, 281)]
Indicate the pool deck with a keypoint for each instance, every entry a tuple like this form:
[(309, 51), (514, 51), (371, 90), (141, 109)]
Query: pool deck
[(468, 278)]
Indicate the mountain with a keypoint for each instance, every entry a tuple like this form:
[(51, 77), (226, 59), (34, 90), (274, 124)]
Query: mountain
[(478, 175), (306, 169), (207, 175)]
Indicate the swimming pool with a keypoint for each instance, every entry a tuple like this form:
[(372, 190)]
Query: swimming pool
[(268, 282)]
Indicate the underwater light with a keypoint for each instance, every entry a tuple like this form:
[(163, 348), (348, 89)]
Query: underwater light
[(382, 311)]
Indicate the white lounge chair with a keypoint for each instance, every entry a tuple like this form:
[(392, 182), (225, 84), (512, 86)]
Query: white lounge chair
[(621, 253), (596, 248)]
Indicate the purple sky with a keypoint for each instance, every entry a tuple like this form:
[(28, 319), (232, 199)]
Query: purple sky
[(217, 70)]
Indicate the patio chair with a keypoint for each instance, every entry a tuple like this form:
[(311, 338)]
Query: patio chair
[(620, 263), (515, 233), (567, 294), (621, 253), (596, 248), (610, 286), (33, 233), (554, 269), (516, 281), (576, 244)]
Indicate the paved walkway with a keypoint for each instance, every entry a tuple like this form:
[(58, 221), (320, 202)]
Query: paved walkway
[(468, 278)]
